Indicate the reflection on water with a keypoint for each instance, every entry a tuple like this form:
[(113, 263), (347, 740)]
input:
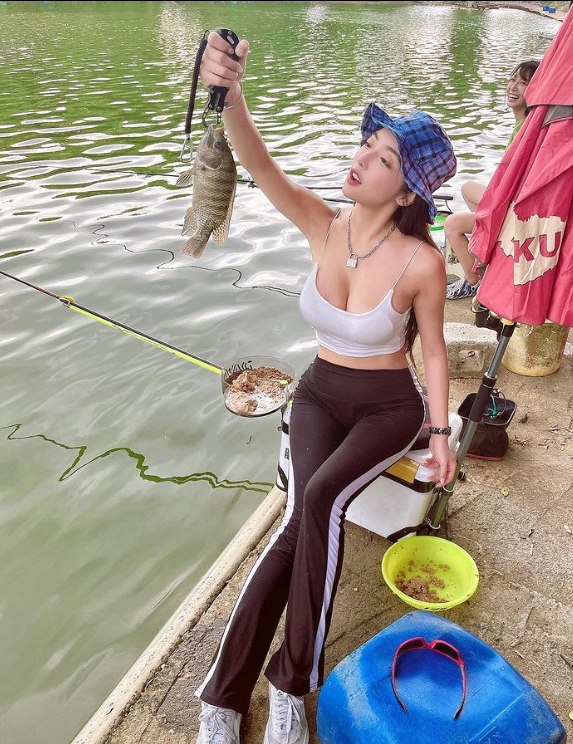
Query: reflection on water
[(123, 475), (79, 462)]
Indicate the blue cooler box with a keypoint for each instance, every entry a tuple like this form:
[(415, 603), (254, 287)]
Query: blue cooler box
[(356, 704)]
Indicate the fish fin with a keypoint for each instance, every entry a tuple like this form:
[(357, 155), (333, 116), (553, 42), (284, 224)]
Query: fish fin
[(194, 247), (186, 178), (199, 232), (190, 224), (220, 233)]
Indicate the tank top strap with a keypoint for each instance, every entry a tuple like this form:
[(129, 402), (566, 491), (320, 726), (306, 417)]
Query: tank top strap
[(326, 236), (409, 261)]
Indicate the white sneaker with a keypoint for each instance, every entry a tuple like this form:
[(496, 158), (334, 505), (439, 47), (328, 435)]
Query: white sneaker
[(461, 289), (287, 720), (218, 725)]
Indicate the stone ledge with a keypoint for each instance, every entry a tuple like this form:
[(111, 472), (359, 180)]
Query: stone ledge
[(470, 349)]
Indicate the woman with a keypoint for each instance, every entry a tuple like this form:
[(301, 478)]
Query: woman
[(377, 280), (458, 226)]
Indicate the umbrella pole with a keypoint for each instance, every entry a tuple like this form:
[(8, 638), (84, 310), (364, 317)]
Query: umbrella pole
[(475, 415)]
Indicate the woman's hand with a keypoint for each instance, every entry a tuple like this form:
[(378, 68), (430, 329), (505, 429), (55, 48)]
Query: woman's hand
[(217, 65), (442, 458)]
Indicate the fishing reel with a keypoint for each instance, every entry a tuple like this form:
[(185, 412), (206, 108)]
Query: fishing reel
[(217, 94)]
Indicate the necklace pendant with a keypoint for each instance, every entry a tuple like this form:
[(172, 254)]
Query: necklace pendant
[(352, 261)]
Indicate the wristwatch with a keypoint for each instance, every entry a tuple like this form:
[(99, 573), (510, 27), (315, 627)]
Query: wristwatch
[(447, 430)]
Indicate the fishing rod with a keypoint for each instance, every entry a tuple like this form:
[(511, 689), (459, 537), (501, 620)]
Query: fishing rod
[(253, 185), (93, 315)]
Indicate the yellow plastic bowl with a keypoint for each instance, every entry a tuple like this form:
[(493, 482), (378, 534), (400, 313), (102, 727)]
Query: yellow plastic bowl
[(435, 560)]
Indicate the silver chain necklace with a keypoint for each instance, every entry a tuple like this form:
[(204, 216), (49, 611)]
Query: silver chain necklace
[(354, 258)]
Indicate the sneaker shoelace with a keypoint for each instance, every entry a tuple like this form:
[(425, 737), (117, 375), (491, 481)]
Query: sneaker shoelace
[(219, 723), (286, 717)]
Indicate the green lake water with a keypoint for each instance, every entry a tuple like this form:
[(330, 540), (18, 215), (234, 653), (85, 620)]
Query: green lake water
[(122, 475)]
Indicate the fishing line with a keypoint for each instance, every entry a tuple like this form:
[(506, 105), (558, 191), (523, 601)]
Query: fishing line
[(93, 315), (253, 185), (248, 181)]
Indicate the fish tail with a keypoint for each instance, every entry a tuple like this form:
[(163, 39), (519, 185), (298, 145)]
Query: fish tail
[(194, 247)]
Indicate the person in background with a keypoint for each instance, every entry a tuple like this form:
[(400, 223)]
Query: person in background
[(377, 281), (458, 226)]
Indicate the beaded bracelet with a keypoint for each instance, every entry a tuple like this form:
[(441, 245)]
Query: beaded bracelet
[(443, 430), (232, 106)]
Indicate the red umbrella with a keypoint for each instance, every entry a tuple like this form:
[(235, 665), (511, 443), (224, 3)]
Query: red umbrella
[(524, 222), (524, 225)]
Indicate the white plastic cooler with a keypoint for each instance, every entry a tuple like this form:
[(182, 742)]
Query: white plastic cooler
[(402, 496), (398, 499)]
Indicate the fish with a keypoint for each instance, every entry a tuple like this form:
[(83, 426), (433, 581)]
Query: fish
[(214, 179)]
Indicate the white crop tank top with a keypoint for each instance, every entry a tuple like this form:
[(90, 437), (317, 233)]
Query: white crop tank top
[(381, 330)]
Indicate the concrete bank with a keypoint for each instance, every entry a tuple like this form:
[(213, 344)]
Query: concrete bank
[(560, 8)]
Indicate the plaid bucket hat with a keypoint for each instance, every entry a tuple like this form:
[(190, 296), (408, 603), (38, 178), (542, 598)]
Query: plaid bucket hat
[(427, 155)]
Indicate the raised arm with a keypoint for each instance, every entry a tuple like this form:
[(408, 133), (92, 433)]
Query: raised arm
[(300, 205)]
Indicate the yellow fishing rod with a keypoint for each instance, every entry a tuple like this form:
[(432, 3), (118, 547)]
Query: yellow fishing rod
[(72, 305)]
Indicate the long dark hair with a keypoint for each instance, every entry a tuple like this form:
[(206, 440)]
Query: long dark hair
[(413, 220), (525, 69)]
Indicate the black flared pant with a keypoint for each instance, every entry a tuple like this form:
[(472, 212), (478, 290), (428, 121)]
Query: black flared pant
[(346, 427)]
